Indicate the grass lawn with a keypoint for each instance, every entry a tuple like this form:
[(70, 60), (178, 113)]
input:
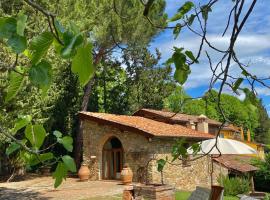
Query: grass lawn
[(181, 195)]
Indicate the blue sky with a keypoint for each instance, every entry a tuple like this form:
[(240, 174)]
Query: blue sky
[(252, 47)]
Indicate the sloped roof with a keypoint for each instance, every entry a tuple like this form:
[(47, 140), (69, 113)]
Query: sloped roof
[(231, 127), (236, 163), (145, 126), (171, 116)]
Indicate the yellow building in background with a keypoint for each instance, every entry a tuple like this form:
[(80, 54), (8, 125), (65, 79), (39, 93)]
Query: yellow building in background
[(237, 133)]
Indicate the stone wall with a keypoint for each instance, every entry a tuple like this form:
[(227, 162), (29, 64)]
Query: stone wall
[(186, 176), (138, 150)]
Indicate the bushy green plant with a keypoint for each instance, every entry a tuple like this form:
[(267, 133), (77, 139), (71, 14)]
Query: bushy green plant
[(262, 176), (234, 186), (267, 197)]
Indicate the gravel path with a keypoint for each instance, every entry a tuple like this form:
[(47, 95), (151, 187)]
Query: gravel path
[(71, 189)]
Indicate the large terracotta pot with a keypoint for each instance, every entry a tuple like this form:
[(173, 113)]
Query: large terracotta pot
[(126, 175), (84, 173), (45, 170)]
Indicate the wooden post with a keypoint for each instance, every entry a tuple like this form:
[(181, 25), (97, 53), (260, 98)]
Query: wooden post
[(212, 170), (252, 182)]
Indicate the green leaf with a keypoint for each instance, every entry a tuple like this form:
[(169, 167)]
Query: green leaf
[(41, 74), (237, 84), (179, 59), (36, 159), (182, 11), (161, 164), (67, 142), (40, 45), (191, 56), (181, 74), (21, 122), (60, 29), (179, 150), (182, 70), (205, 10), (175, 153), (69, 49), (177, 30), (59, 174), (74, 28), (191, 19), (15, 84), (12, 148), (82, 64), (35, 134), (245, 72), (69, 162), (17, 43), (21, 23), (7, 27), (169, 62), (195, 148), (57, 134)]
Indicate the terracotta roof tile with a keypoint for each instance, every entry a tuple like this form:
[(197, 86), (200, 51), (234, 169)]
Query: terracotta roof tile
[(236, 163), (148, 126), (175, 117)]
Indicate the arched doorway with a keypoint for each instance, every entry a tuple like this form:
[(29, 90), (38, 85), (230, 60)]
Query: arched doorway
[(112, 159)]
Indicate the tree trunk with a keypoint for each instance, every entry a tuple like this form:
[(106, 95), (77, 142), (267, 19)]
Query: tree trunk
[(78, 145), (79, 139)]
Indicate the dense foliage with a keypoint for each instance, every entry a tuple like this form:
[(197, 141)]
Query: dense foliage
[(140, 84), (262, 176), (249, 115), (234, 186)]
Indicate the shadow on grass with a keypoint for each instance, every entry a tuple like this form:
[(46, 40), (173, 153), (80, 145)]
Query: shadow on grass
[(19, 194)]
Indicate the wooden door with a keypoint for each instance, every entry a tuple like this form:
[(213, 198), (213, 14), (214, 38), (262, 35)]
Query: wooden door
[(112, 163)]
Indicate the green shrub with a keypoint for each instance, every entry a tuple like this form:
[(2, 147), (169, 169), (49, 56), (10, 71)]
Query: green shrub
[(267, 197), (262, 176), (234, 186)]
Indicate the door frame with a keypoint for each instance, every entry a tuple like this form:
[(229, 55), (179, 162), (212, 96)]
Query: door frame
[(111, 153)]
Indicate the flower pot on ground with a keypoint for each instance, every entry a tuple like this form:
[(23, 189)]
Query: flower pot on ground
[(154, 192), (126, 175), (45, 170), (84, 172)]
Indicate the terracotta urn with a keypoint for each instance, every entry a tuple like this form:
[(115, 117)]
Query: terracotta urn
[(84, 172), (126, 175), (45, 170)]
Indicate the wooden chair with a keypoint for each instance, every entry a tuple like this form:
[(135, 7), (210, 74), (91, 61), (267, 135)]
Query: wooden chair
[(216, 192)]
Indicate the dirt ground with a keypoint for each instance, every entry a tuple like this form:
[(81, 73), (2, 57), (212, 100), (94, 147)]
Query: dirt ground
[(71, 189)]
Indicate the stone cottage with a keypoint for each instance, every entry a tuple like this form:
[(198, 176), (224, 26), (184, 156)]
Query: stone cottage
[(110, 141)]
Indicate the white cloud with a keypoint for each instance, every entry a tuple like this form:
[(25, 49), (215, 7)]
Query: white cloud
[(245, 45), (250, 50)]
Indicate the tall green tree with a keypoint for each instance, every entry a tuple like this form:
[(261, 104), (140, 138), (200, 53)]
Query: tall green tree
[(110, 25), (109, 93), (176, 101), (147, 84)]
